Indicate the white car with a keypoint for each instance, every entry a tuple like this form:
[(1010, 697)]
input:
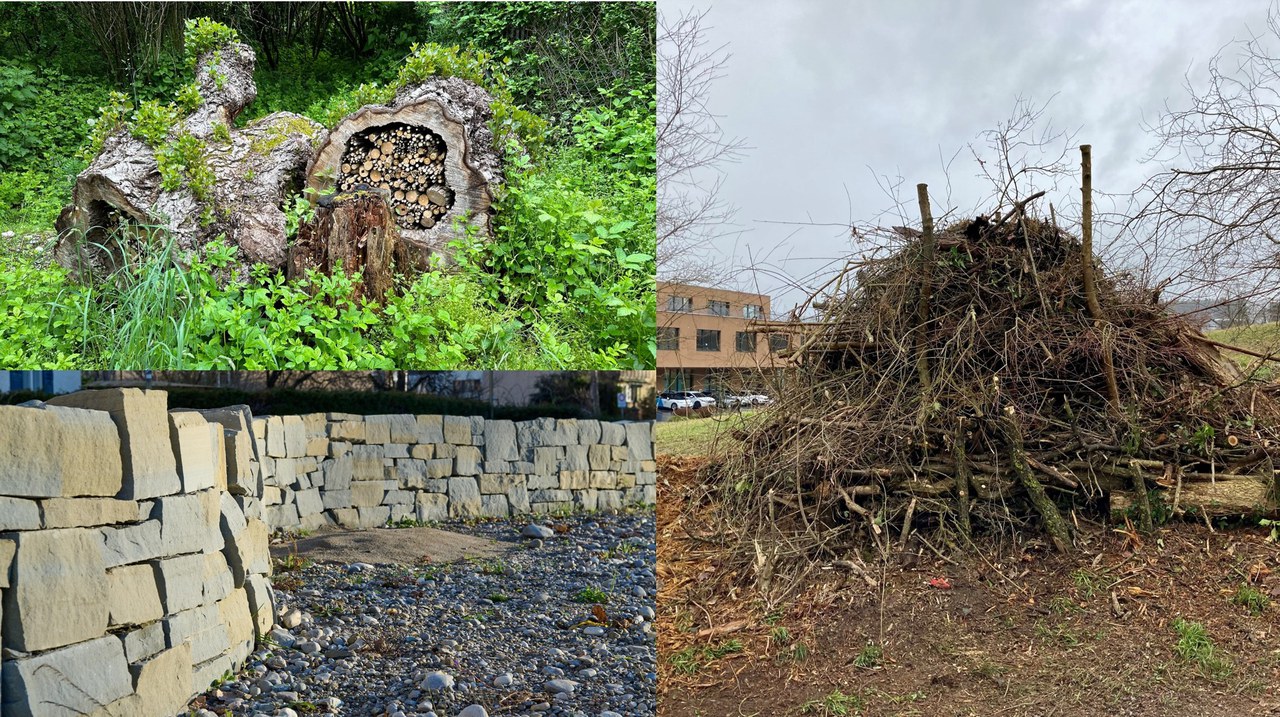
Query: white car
[(671, 400), (746, 399)]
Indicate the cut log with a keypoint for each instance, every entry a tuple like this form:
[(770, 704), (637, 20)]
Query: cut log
[(434, 138), (252, 174)]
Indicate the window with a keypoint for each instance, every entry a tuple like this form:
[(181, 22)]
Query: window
[(668, 338), (718, 308), (708, 340), (679, 303), (746, 342), (752, 311), (779, 342)]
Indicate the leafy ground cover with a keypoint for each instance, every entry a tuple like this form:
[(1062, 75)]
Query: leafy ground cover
[(567, 281)]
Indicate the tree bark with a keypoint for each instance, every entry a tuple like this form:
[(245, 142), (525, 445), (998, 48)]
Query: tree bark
[(353, 233)]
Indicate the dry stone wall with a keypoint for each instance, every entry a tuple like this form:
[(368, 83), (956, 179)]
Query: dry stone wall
[(133, 553), (365, 471), (134, 561)]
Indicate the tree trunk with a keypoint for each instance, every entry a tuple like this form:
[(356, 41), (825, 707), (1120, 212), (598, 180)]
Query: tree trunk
[(354, 233)]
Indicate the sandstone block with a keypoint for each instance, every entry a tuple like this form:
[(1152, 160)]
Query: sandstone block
[(439, 467), (429, 507), (295, 436), (275, 437), (403, 427), (366, 493), (134, 598), (430, 429), (204, 627), (377, 430), (464, 497), (599, 457), (575, 480), (351, 431), (575, 459), (142, 418), (612, 434), (131, 543), (588, 432), (81, 454), (19, 514), (609, 500), (422, 451), (243, 478), (466, 461), (494, 506), (189, 523), (85, 512), (163, 683), (640, 440), (261, 604), (219, 581), (518, 498), (7, 548), (457, 430), (181, 583), (546, 460), (333, 499), (493, 484), (604, 479), (366, 463), (193, 450), (500, 441), (309, 502), (143, 642), (79, 679), (59, 591)]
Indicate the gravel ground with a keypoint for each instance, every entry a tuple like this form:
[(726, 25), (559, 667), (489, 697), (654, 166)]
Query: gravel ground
[(518, 635)]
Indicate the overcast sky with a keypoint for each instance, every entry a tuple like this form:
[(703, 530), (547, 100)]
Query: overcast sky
[(830, 93)]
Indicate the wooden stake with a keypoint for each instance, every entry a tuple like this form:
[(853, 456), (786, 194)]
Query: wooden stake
[(927, 251), (1086, 260)]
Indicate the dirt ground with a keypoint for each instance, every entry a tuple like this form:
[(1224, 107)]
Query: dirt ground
[(1016, 630), (402, 546)]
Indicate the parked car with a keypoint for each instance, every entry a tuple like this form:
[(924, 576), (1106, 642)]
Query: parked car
[(671, 400), (740, 400)]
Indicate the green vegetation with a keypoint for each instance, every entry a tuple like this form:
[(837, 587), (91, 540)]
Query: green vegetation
[(700, 436), (836, 703), (1251, 598), (566, 282), (869, 657), (591, 595), (696, 657), (1194, 645)]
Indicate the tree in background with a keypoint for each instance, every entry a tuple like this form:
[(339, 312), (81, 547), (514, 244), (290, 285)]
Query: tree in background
[(1214, 219), (692, 150)]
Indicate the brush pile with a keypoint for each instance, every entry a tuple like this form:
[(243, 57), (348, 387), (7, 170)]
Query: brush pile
[(973, 393)]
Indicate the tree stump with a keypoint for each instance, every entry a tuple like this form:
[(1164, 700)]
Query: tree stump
[(430, 150), (233, 182), (353, 232)]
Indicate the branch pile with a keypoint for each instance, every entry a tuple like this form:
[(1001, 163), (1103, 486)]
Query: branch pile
[(962, 385)]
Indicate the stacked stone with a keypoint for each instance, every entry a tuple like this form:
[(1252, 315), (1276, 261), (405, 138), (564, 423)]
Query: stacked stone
[(133, 554), (366, 471)]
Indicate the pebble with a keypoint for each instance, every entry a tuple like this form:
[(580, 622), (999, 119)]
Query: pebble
[(438, 681), (436, 641), (534, 530)]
